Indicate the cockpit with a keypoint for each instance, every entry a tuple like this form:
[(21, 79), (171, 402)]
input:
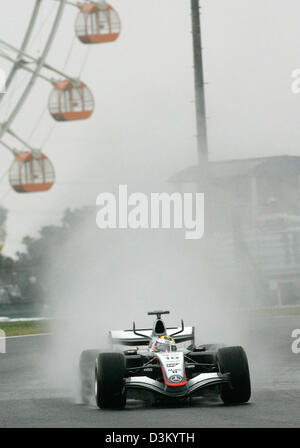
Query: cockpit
[(164, 344)]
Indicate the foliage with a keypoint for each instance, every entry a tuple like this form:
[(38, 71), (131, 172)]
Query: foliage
[(30, 268)]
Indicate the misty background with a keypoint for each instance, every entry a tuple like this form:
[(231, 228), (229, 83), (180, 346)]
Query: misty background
[(143, 128)]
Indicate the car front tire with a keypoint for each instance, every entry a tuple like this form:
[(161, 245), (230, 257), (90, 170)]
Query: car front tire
[(110, 372), (233, 360)]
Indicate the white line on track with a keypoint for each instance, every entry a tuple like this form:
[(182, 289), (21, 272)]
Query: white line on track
[(28, 335)]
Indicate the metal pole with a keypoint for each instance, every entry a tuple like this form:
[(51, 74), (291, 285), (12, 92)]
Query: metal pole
[(202, 150), (199, 90)]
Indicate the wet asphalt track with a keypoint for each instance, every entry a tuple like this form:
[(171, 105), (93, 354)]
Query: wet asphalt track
[(28, 400)]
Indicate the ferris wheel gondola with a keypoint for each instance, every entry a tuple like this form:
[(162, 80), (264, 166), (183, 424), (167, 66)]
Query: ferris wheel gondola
[(97, 23), (29, 173), (70, 102)]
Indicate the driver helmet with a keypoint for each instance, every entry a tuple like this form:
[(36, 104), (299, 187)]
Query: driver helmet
[(164, 344)]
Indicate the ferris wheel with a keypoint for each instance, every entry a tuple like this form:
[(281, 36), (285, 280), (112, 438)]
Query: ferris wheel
[(70, 98)]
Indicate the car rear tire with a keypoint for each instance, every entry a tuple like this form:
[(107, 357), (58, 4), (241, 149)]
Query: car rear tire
[(233, 360), (86, 374), (110, 372)]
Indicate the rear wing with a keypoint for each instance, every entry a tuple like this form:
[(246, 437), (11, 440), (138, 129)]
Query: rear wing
[(130, 338)]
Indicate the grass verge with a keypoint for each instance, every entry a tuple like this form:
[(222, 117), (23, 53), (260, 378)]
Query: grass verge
[(277, 311), (24, 328)]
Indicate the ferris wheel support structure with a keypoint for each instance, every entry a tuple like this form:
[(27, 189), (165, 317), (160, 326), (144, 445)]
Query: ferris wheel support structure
[(25, 42), (70, 99), (22, 64), (40, 63)]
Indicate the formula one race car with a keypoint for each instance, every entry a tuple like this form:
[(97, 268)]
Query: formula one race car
[(157, 368)]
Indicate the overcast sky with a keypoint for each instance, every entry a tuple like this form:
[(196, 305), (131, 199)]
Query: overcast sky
[(143, 128)]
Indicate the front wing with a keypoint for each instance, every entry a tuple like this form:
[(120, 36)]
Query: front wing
[(193, 386)]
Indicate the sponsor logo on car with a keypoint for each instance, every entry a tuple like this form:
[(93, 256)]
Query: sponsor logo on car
[(176, 379)]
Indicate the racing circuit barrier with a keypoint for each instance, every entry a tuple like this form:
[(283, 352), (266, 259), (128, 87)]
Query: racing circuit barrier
[(21, 310)]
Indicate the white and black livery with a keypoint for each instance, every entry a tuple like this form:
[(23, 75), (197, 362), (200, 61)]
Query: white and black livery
[(158, 366)]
